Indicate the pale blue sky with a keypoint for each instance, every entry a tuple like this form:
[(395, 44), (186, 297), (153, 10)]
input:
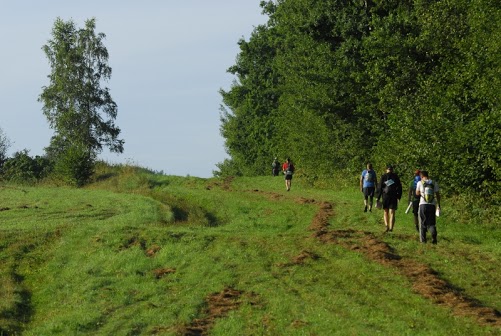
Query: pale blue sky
[(169, 60)]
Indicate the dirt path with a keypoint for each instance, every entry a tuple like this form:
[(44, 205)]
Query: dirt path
[(425, 280)]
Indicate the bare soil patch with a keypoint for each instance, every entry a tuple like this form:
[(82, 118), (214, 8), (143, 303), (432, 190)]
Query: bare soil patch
[(161, 272), (218, 305), (425, 280)]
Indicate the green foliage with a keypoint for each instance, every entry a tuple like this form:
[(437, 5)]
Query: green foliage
[(248, 126), (22, 168), (415, 83), (75, 166), (227, 168), (77, 107), (4, 147)]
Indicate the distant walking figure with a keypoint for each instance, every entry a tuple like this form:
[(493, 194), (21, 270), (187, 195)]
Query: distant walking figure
[(368, 182), (413, 198), (275, 167), (288, 170)]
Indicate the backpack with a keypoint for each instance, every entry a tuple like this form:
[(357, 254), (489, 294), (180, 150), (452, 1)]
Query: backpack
[(390, 187), (429, 191), (414, 185), (290, 169)]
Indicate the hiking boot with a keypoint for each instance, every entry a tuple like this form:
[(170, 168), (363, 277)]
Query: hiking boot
[(434, 242)]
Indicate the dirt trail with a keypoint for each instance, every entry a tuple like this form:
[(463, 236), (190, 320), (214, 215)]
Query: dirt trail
[(218, 305), (425, 280)]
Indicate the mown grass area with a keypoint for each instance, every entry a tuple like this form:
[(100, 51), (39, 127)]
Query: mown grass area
[(142, 254)]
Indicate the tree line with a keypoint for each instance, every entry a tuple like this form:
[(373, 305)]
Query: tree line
[(335, 84), (78, 107)]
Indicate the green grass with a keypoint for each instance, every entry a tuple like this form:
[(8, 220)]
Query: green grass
[(80, 261)]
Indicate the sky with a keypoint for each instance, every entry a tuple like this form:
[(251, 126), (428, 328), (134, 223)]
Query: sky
[(169, 60)]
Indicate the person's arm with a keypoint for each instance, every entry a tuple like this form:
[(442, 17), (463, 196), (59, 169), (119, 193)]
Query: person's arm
[(399, 189), (361, 182), (379, 189), (418, 188)]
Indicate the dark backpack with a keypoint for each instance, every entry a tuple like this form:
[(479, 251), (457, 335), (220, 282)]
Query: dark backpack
[(290, 169), (390, 186)]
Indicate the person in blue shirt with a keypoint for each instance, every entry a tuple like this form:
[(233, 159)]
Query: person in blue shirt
[(368, 182)]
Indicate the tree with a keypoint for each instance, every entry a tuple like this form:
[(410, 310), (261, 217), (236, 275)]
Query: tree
[(77, 107), (248, 120), (4, 146)]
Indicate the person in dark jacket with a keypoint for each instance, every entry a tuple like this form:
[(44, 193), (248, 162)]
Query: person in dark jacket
[(275, 167), (390, 191), (413, 198)]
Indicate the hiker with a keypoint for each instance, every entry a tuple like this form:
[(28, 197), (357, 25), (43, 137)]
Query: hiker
[(413, 198), (275, 167), (390, 190), (288, 169), (368, 182), (429, 206)]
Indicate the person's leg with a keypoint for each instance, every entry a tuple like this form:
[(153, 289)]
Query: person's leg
[(422, 224), (415, 212), (365, 201), (430, 214), (416, 222), (391, 219), (371, 197), (385, 216), (288, 182)]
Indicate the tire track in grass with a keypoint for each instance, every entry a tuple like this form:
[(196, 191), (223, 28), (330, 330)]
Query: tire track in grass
[(216, 306), (425, 280)]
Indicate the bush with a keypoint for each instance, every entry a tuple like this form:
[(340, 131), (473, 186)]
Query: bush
[(22, 168)]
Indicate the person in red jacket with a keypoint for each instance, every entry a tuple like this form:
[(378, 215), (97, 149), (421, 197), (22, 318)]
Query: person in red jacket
[(288, 170)]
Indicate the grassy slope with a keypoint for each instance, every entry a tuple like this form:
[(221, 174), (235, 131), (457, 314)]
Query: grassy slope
[(140, 254)]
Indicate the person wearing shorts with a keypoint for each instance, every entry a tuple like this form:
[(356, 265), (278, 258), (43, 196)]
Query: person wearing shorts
[(288, 170), (368, 182), (390, 190)]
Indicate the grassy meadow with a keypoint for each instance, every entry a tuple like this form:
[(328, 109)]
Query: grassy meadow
[(137, 253)]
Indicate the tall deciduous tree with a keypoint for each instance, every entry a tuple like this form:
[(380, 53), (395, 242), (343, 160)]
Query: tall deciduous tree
[(4, 146), (77, 106)]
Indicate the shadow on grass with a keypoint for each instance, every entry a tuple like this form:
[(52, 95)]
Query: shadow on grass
[(20, 313)]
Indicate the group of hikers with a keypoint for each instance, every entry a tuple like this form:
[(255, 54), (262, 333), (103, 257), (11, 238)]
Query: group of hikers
[(423, 195), (287, 169)]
